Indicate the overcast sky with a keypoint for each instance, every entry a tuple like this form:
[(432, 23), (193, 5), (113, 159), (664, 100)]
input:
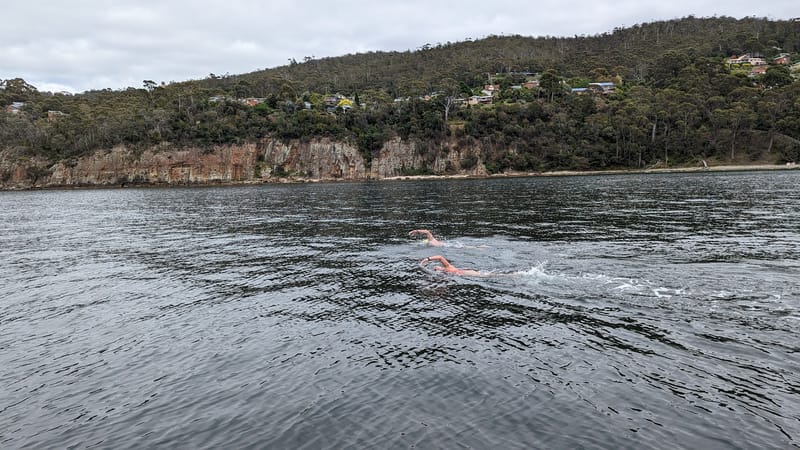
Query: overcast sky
[(75, 46)]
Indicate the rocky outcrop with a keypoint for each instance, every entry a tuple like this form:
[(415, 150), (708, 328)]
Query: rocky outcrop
[(394, 158), (397, 158), (317, 160), (120, 166), (265, 161)]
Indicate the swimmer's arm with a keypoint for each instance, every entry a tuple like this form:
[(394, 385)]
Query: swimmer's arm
[(431, 240), (438, 258)]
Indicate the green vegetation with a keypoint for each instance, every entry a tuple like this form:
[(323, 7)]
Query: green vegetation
[(676, 101)]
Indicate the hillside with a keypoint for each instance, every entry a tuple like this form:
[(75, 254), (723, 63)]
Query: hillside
[(652, 95), (631, 53)]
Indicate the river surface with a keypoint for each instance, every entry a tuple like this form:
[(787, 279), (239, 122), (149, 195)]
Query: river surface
[(630, 311)]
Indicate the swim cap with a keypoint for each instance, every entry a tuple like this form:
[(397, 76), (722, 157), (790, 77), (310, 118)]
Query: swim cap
[(425, 241)]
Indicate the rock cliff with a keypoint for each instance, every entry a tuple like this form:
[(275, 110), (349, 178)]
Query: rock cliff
[(264, 161)]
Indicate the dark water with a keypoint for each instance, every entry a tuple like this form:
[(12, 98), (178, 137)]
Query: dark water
[(652, 311)]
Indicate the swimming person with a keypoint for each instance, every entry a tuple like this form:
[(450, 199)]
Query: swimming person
[(449, 268), (429, 239), (432, 241)]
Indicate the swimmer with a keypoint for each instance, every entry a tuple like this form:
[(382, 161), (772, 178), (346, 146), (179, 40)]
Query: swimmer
[(429, 239), (432, 241), (449, 268)]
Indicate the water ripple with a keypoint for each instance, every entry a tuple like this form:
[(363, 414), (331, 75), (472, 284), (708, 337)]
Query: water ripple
[(625, 312)]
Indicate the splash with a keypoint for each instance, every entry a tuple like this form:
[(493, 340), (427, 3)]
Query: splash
[(536, 272)]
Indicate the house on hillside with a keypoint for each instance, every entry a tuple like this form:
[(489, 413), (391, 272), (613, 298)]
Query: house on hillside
[(757, 70), (604, 87), (783, 59), (52, 116), (491, 90), (337, 101), (15, 108), (252, 101), (747, 58), (480, 100), (332, 100)]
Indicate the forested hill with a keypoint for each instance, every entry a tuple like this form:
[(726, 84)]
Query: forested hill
[(659, 94), (635, 53)]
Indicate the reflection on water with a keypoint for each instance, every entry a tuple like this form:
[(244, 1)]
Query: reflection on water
[(634, 311)]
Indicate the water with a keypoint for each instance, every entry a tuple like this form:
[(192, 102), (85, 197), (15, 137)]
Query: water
[(638, 311)]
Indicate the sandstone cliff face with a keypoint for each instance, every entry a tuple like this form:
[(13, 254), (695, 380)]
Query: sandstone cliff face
[(318, 160), (265, 161), (394, 157), (120, 166)]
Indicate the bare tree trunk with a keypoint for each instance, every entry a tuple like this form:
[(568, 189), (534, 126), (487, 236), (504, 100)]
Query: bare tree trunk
[(448, 103), (653, 133), (771, 140)]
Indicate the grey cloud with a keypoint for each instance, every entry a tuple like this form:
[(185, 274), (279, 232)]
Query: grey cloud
[(96, 44)]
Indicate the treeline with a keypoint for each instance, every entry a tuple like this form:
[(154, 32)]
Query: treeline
[(676, 102)]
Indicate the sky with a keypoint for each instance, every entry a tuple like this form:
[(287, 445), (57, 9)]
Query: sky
[(74, 46)]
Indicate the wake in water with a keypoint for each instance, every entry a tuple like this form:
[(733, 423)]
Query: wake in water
[(594, 283), (565, 279)]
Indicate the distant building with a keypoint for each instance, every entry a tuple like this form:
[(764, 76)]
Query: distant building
[(332, 100), (480, 100), (758, 70), (15, 108), (605, 87), (602, 88), (747, 58), (252, 101), (54, 115), (491, 90), (783, 59)]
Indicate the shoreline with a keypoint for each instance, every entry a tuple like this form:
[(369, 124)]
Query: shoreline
[(512, 174), (572, 173)]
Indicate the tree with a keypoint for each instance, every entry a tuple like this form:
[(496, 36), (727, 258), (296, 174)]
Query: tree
[(551, 85), (667, 67), (150, 86), (772, 106), (736, 117), (18, 86), (777, 76), (449, 91)]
